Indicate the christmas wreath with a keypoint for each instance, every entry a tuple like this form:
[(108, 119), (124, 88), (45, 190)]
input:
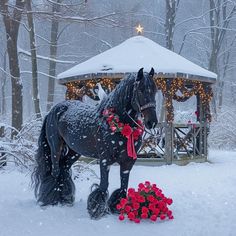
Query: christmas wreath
[(131, 133)]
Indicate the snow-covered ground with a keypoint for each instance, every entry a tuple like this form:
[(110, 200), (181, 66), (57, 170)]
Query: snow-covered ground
[(204, 204)]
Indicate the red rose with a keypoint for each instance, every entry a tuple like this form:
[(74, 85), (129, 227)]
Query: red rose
[(144, 215), (150, 198), (135, 213), (141, 186), (162, 216), (120, 125), (169, 213), (154, 186), (155, 201), (157, 192), (141, 199), (126, 131), (137, 220), (151, 207), (113, 128), (136, 206), (110, 118), (146, 190), (161, 205), (144, 210), (137, 133), (156, 211), (128, 208), (131, 216), (169, 201), (123, 201), (131, 190), (153, 218), (165, 209), (121, 217)]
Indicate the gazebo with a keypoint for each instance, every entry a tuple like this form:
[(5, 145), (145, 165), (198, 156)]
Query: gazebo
[(176, 77)]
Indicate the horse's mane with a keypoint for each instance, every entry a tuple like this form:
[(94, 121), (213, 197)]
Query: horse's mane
[(120, 96)]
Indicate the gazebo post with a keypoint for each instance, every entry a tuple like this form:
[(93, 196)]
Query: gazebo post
[(169, 142), (168, 127), (202, 137), (199, 119)]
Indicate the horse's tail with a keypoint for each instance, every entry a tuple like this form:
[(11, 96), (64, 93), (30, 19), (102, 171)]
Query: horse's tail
[(43, 162), (48, 189)]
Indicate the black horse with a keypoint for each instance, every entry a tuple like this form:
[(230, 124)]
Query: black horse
[(73, 128)]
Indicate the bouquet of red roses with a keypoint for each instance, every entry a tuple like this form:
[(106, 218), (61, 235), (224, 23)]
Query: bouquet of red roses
[(147, 203)]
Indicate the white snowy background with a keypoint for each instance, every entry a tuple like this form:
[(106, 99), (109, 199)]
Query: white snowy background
[(204, 197), (204, 194)]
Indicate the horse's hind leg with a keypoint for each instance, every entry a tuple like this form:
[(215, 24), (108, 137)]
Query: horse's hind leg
[(68, 158)]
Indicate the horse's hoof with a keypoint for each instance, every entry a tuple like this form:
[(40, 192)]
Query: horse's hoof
[(114, 200), (96, 204), (67, 200), (67, 203)]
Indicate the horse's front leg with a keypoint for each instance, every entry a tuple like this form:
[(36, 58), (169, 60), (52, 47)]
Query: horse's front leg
[(97, 199), (116, 196)]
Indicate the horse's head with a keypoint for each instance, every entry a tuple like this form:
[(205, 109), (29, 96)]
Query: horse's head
[(143, 99)]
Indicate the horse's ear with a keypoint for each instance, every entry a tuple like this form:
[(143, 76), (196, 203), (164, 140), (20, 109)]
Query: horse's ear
[(151, 73), (140, 75)]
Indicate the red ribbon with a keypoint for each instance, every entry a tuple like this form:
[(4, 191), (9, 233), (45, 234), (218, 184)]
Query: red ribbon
[(130, 146)]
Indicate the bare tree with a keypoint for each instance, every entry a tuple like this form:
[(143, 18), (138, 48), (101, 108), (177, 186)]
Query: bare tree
[(220, 15), (53, 53), (33, 50), (12, 23), (171, 10), (2, 92), (170, 19), (3, 84), (215, 31), (219, 22)]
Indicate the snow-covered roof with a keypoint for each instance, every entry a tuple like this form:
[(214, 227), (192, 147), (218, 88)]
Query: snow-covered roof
[(133, 54)]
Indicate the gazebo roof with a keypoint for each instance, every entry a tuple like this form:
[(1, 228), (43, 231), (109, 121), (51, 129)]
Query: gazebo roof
[(130, 56)]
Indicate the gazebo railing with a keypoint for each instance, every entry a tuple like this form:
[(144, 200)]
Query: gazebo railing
[(176, 143)]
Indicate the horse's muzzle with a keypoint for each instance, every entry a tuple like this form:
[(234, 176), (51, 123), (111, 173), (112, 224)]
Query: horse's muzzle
[(151, 124), (150, 118)]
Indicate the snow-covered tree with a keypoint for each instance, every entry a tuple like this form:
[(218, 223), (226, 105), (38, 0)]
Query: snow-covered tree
[(12, 15)]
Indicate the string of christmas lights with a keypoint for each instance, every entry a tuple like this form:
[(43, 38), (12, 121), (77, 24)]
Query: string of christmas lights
[(77, 89), (169, 87)]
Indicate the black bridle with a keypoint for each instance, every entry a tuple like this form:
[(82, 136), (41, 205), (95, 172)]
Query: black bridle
[(135, 101), (148, 105)]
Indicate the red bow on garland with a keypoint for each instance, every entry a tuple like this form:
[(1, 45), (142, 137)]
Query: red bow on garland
[(132, 134)]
